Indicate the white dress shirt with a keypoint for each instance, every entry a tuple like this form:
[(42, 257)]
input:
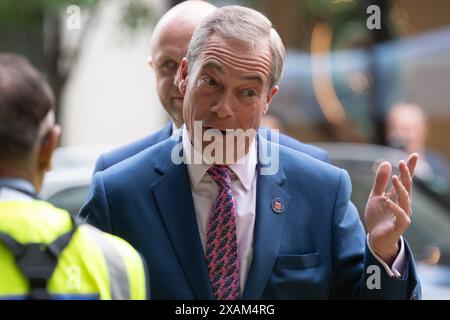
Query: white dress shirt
[(243, 186)]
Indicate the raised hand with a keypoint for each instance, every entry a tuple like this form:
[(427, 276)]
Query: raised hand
[(388, 214)]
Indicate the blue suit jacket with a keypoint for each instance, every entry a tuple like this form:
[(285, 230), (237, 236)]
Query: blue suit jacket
[(314, 249), (111, 158)]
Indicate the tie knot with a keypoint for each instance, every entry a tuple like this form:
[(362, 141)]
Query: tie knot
[(221, 175)]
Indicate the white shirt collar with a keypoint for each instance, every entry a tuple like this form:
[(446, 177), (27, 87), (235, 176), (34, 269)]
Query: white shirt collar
[(7, 194), (244, 171), (12, 189), (175, 129)]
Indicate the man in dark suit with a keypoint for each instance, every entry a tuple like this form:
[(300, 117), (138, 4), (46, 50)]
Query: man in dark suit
[(169, 43), (217, 219), (407, 129)]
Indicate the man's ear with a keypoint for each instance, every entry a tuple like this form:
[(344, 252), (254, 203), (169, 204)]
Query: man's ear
[(271, 94), (47, 148), (150, 62), (182, 76), (177, 78)]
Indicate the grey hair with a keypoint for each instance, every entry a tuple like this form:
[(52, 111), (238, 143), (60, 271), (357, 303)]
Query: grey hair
[(240, 23)]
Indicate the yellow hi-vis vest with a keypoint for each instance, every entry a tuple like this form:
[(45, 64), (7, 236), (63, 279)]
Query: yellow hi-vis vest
[(93, 265)]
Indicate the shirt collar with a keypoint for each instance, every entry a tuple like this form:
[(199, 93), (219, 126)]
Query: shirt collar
[(245, 170), (175, 129), (20, 187)]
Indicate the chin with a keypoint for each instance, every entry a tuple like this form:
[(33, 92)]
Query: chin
[(177, 104)]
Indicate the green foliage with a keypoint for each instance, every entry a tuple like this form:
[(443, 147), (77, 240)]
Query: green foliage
[(330, 8), (26, 12), (29, 13), (137, 14), (57, 5)]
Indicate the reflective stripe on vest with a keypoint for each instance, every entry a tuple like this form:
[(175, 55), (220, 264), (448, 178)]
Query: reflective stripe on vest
[(118, 275)]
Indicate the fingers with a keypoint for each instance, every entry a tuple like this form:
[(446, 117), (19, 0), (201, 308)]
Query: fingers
[(407, 171), (381, 179), (405, 176), (402, 194), (402, 220), (412, 162)]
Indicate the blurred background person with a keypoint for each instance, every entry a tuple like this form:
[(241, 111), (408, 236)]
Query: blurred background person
[(44, 254), (168, 46), (407, 129)]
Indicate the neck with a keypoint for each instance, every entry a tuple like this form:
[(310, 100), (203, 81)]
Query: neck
[(19, 172), (223, 149), (177, 124)]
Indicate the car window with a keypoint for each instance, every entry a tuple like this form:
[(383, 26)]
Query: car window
[(70, 199)]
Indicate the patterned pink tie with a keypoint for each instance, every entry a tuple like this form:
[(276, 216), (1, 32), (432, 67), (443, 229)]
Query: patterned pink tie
[(221, 244)]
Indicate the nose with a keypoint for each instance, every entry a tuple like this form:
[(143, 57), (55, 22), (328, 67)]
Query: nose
[(223, 107)]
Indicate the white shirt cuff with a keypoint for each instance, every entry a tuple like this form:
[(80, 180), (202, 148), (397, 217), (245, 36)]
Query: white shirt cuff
[(398, 267)]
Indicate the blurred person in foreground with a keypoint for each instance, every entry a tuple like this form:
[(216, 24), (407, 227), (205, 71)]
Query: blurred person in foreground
[(44, 253), (168, 46), (407, 130), (224, 224)]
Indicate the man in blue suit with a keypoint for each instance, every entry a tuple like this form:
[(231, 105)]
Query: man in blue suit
[(169, 44), (253, 220)]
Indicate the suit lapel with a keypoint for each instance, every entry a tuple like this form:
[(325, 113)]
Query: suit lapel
[(270, 200), (174, 198), (167, 131)]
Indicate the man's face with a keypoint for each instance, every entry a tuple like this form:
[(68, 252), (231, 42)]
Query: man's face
[(167, 52), (406, 129), (228, 87)]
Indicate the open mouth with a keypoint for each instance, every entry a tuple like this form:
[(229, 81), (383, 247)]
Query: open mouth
[(212, 128)]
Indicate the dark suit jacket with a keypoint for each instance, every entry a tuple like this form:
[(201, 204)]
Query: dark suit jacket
[(439, 165), (111, 158), (314, 249)]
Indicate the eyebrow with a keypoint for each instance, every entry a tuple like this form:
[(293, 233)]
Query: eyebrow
[(214, 65), (254, 78), (163, 58), (218, 67)]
